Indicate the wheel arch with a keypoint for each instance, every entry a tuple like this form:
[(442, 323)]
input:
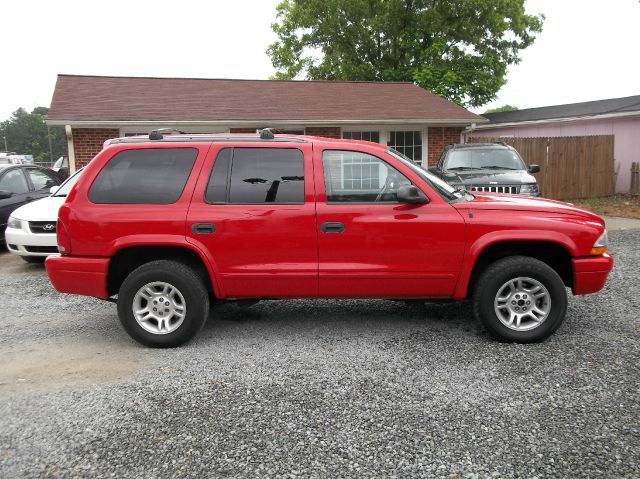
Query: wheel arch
[(128, 257), (557, 254)]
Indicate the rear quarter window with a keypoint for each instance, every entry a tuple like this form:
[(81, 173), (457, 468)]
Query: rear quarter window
[(145, 176)]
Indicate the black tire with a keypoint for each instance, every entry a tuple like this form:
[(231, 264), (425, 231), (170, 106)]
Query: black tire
[(33, 259), (187, 282), (496, 275)]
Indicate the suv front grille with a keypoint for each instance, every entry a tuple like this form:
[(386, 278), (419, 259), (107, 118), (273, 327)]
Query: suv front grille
[(42, 227), (511, 189)]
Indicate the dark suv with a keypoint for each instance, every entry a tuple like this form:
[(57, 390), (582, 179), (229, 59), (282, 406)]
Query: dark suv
[(491, 167)]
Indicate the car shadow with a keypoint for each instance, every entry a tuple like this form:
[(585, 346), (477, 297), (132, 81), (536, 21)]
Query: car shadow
[(338, 313)]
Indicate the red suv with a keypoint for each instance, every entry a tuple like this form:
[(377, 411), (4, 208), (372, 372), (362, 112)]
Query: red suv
[(171, 222)]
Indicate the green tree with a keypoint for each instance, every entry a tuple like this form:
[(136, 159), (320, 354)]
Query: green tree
[(502, 108), (27, 134), (459, 49)]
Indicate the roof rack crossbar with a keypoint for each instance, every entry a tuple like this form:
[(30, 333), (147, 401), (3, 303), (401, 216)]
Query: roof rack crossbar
[(266, 134), (158, 134)]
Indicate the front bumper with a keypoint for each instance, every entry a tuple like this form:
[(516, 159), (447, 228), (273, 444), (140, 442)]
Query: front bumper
[(79, 275), (25, 243), (590, 273)]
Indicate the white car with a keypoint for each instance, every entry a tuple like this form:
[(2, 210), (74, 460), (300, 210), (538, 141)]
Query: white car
[(31, 229)]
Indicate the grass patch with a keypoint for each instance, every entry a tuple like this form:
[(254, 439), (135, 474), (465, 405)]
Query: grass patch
[(627, 206)]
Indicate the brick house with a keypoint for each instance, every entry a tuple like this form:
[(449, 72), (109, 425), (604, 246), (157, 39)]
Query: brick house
[(402, 115)]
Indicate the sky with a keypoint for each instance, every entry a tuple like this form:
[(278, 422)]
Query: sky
[(588, 49)]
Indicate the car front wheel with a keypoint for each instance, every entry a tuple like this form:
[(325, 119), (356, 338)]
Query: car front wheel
[(520, 299), (163, 304)]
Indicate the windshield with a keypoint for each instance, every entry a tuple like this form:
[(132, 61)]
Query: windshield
[(67, 185), (483, 159), (445, 189)]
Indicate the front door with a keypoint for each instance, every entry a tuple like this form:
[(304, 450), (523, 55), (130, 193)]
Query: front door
[(370, 245), (254, 211)]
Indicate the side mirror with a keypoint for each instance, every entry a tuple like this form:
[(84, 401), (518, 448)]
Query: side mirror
[(4, 194), (54, 189), (411, 194), (534, 169)]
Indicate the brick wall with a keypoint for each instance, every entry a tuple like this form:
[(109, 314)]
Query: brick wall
[(88, 142), (439, 137), (326, 131)]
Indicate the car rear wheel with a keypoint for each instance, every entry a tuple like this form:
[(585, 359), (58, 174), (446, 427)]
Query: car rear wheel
[(520, 299), (163, 304)]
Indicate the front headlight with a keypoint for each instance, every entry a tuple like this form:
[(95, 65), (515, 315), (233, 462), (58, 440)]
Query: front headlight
[(14, 223), (601, 244), (529, 189)]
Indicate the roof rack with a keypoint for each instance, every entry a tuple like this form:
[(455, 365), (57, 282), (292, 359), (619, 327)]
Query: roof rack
[(266, 134), (158, 134), (205, 138)]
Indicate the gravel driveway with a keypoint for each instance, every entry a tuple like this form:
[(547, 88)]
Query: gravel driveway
[(319, 389)]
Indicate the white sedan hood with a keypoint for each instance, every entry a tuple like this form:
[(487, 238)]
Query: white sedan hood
[(44, 209)]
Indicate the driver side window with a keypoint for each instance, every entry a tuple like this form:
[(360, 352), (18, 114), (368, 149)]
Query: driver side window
[(356, 177)]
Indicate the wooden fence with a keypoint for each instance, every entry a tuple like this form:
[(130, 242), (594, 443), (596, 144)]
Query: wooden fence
[(570, 167)]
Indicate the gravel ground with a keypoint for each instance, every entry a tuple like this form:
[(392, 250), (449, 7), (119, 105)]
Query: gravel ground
[(319, 389)]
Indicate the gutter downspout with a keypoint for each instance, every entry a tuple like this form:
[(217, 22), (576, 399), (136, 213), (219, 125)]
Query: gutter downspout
[(71, 149), (463, 133)]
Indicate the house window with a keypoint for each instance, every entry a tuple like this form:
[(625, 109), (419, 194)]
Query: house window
[(362, 135), (409, 143)]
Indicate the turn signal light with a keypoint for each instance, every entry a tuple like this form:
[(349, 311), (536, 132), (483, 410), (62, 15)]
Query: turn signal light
[(600, 246)]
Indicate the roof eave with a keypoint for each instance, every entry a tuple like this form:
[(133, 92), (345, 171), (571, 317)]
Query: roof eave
[(488, 125), (269, 122)]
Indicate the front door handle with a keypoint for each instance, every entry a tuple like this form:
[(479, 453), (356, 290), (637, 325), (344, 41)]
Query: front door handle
[(203, 228), (332, 227)]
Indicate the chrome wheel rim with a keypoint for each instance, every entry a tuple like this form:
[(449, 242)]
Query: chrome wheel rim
[(159, 307), (522, 304)]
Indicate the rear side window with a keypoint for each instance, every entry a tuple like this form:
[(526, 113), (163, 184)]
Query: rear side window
[(257, 175), (146, 176)]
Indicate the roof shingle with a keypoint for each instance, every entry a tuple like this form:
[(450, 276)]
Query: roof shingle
[(98, 98), (589, 108)]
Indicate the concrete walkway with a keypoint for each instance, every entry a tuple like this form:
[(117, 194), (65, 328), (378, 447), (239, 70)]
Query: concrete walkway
[(616, 223)]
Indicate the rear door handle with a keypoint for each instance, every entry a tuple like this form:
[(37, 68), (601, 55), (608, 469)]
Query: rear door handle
[(332, 227), (203, 228)]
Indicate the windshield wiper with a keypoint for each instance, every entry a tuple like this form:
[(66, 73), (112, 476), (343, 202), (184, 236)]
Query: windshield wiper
[(497, 167), (462, 168)]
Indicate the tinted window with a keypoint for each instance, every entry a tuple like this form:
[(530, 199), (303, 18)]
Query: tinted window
[(265, 175), (42, 179), (217, 187), (352, 176), (146, 176), (14, 181)]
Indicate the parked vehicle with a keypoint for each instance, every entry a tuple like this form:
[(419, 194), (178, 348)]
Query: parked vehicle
[(490, 167), (31, 229), (21, 184), (10, 159), (168, 223)]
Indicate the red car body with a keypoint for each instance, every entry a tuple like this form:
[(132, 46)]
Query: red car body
[(278, 251)]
